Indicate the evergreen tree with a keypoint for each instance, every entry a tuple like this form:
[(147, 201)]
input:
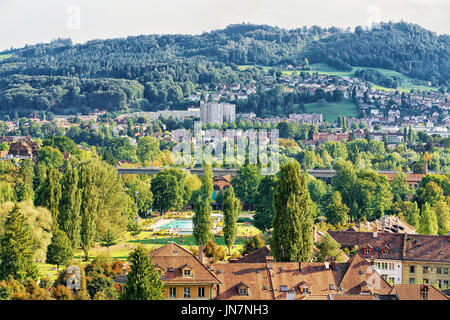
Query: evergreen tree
[(60, 251), (49, 192), (17, 248), (109, 239), (88, 211), (428, 221), (231, 208), (292, 237), (143, 281), (69, 218), (264, 206)]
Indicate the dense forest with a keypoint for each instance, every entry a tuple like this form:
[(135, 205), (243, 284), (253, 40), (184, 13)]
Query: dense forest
[(149, 71)]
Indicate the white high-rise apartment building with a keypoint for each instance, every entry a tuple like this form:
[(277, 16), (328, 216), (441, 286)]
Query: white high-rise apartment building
[(217, 113)]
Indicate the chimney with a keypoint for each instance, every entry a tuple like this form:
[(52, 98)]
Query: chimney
[(269, 262), (200, 252), (327, 265), (372, 260), (333, 263), (300, 266)]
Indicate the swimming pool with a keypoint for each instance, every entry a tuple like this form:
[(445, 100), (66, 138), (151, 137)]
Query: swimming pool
[(179, 226)]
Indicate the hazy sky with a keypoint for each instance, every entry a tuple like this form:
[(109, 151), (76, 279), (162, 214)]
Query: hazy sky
[(32, 21)]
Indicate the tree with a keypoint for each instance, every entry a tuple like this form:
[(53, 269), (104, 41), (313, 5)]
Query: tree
[(252, 244), (202, 221), (143, 281), (109, 239), (428, 221), (442, 211), (17, 249), (69, 218), (231, 209), (329, 248), (264, 206), (147, 149), (246, 182), (88, 211), (292, 237), (413, 216), (429, 193), (400, 188), (60, 250), (49, 192), (168, 189), (50, 157), (336, 212)]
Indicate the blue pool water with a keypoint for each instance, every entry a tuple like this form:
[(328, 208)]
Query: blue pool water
[(180, 226)]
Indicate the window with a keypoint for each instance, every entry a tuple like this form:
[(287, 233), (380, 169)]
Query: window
[(366, 251), (391, 279), (445, 270), (411, 280), (425, 269), (412, 269), (384, 251), (243, 292), (377, 265), (425, 281), (187, 273), (384, 265), (446, 284), (439, 283), (439, 270), (283, 288), (391, 266), (305, 290), (201, 292), (172, 292), (187, 292)]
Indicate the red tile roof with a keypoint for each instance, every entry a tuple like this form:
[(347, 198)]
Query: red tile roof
[(413, 292)]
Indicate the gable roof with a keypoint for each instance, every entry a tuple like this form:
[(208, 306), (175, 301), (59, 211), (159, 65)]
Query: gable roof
[(375, 241), (416, 247), (360, 274), (174, 257), (412, 292)]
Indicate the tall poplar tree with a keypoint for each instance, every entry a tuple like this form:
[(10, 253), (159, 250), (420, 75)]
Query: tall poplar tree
[(17, 248), (88, 211), (69, 218), (202, 221), (143, 281), (292, 237), (428, 221), (231, 207), (49, 192)]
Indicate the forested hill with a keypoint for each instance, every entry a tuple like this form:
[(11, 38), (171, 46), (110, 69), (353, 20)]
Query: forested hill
[(167, 68)]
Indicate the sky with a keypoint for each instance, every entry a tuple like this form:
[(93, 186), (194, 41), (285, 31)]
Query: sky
[(30, 22)]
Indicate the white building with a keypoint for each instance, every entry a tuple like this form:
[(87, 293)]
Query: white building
[(217, 113)]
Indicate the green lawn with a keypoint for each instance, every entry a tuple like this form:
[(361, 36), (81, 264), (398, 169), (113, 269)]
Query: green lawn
[(4, 56), (331, 110), (407, 84)]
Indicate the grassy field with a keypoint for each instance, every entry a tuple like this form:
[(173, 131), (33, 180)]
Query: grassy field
[(331, 110), (323, 68), (149, 241), (4, 56), (407, 84)]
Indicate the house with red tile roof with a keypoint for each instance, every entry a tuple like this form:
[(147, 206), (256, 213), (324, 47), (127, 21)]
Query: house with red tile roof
[(417, 292)]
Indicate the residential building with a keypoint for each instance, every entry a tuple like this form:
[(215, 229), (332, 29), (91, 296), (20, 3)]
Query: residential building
[(217, 113), (403, 258), (298, 281), (417, 292)]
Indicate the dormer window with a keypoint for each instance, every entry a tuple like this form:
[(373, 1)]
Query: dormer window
[(243, 292), (424, 293), (305, 290), (367, 251), (385, 251), (187, 272)]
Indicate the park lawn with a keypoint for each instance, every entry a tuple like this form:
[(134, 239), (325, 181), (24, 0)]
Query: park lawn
[(332, 110)]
